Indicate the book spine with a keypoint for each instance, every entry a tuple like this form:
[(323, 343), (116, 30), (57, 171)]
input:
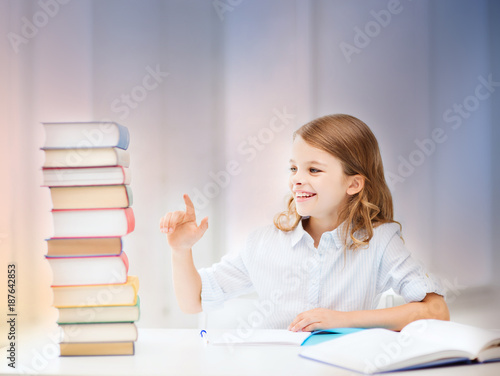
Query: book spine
[(136, 332), (134, 282), (124, 137), (130, 197), (124, 258), (122, 157), (129, 214), (127, 177), (138, 305)]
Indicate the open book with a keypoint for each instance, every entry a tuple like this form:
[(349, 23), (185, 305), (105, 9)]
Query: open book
[(256, 337), (422, 343), (275, 336)]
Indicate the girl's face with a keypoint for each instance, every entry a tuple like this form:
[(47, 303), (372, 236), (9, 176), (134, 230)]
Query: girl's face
[(317, 181)]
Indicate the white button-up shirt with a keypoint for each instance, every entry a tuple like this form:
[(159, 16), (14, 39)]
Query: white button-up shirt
[(291, 276)]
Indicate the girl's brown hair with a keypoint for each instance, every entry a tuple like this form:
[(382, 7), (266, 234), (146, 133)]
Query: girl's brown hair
[(353, 143)]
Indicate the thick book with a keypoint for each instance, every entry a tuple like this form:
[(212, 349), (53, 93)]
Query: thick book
[(107, 332), (96, 348), (99, 314), (81, 247), (84, 135), (92, 223), (82, 176), (91, 197), (97, 270), (94, 157), (97, 295), (422, 343)]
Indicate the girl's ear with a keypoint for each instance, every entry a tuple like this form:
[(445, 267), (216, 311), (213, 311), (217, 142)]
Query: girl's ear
[(356, 184)]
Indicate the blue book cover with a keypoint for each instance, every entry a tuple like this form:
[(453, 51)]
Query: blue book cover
[(320, 336)]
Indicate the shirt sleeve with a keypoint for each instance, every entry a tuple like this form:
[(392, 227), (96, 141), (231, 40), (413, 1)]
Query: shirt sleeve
[(405, 275), (224, 280)]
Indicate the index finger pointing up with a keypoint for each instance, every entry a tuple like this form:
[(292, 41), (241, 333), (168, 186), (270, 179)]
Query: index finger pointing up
[(190, 214)]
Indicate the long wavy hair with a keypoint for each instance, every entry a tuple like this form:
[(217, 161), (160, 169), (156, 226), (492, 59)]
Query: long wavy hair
[(354, 144)]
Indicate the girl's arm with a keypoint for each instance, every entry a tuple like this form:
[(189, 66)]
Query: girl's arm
[(187, 281), (395, 318), (182, 233)]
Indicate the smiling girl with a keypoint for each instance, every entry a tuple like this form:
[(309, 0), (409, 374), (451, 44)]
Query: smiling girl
[(329, 256)]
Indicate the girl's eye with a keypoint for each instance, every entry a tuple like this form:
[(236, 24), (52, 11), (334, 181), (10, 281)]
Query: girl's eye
[(314, 170), (293, 169)]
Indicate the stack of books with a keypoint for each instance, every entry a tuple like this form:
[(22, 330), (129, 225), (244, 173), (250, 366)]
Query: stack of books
[(86, 170)]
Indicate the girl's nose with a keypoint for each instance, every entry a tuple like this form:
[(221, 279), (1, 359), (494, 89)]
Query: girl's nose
[(297, 178)]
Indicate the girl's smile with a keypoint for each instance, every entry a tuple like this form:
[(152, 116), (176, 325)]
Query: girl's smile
[(302, 196)]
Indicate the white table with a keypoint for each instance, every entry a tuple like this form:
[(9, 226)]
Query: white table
[(182, 352)]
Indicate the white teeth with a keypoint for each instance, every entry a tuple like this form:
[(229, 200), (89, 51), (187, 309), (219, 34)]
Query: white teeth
[(304, 195)]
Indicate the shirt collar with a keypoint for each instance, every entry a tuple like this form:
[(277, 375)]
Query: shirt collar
[(299, 232)]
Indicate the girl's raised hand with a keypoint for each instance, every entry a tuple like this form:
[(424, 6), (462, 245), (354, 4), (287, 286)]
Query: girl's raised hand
[(180, 227)]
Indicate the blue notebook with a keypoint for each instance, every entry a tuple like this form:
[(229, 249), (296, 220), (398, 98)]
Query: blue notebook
[(320, 336)]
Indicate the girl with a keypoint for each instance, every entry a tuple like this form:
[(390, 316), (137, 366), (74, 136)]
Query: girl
[(329, 256)]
